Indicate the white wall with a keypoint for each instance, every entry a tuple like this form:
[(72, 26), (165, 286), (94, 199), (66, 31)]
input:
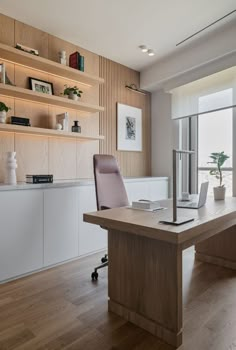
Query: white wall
[(211, 53), (204, 56)]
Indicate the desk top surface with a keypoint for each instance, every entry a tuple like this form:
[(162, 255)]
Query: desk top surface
[(214, 216)]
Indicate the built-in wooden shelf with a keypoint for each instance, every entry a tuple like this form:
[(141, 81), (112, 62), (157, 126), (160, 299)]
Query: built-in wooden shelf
[(47, 132), (29, 95), (19, 57)]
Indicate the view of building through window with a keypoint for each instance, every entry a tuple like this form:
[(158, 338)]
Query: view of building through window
[(215, 135)]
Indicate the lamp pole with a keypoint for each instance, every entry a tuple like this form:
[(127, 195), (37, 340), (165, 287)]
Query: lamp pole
[(175, 220)]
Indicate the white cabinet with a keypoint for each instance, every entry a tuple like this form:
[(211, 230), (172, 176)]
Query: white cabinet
[(21, 233), (44, 226), (136, 190), (91, 237), (148, 189), (158, 190), (60, 225)]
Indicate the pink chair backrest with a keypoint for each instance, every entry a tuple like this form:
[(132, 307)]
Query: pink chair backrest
[(110, 189)]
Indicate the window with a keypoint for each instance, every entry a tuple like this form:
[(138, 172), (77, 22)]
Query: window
[(215, 135)]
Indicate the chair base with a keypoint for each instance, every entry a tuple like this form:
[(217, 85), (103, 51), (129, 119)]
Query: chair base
[(94, 274)]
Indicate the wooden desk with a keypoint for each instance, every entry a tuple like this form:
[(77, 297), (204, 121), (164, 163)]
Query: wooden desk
[(145, 260)]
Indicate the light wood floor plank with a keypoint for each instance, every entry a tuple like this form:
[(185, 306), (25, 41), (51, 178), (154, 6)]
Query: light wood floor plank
[(62, 309)]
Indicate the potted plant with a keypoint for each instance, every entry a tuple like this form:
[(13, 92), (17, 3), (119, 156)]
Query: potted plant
[(218, 158), (3, 112), (73, 92)]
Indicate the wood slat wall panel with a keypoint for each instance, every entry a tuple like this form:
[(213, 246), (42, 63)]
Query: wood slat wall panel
[(112, 91), (116, 76), (7, 28)]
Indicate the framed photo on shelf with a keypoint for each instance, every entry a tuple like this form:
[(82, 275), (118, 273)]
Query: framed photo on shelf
[(2, 73), (129, 128), (4, 79), (41, 86)]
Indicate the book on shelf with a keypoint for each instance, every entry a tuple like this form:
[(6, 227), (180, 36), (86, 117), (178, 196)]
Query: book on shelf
[(38, 179), (145, 204), (81, 63), (76, 61)]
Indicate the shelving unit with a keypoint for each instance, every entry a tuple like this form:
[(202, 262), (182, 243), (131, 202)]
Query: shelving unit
[(20, 93), (35, 62), (47, 132)]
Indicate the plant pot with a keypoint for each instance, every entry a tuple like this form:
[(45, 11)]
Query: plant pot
[(73, 96), (3, 117), (219, 192)]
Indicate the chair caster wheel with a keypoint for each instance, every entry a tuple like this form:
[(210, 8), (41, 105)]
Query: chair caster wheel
[(103, 260), (94, 276)]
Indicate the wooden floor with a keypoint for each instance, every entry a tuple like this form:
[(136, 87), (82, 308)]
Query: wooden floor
[(62, 309)]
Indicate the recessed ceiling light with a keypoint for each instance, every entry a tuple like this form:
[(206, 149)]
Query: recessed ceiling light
[(143, 48), (150, 52)]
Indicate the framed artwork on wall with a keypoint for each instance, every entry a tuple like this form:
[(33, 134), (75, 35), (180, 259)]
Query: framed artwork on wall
[(129, 128), (41, 86)]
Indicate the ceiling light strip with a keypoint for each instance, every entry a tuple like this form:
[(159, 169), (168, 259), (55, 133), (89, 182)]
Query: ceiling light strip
[(201, 30)]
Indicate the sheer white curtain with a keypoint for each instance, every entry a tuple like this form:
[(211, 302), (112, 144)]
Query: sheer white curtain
[(186, 98)]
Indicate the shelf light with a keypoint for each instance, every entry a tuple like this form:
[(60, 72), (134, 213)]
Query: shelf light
[(134, 88)]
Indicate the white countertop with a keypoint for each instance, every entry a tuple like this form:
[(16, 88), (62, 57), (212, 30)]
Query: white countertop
[(71, 183)]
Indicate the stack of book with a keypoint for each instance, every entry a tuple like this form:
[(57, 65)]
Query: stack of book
[(76, 61), (144, 204), (39, 179)]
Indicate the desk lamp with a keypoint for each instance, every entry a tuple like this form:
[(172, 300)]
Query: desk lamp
[(181, 220)]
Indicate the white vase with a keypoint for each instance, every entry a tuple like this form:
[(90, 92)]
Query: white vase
[(73, 96), (3, 117), (219, 192), (10, 168)]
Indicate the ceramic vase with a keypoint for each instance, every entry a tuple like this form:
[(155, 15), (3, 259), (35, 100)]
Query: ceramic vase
[(10, 168), (3, 116)]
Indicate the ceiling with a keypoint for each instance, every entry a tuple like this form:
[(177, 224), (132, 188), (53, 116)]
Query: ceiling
[(115, 28)]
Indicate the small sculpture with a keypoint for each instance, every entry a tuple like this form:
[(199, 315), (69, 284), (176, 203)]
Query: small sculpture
[(10, 169), (58, 126), (62, 57)]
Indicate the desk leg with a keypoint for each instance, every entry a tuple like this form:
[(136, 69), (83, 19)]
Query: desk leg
[(219, 249), (145, 284)]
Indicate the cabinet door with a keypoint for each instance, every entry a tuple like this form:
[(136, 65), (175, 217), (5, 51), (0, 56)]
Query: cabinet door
[(136, 190), (60, 225), (91, 237), (158, 190), (21, 233)]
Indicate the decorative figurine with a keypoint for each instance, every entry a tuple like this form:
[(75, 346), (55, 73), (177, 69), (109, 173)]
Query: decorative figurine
[(62, 57), (58, 126), (76, 127), (10, 170)]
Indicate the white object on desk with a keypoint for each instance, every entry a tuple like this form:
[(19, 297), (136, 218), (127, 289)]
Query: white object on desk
[(145, 204), (185, 196)]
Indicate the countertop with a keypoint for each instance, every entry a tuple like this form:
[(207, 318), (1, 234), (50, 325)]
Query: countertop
[(72, 183)]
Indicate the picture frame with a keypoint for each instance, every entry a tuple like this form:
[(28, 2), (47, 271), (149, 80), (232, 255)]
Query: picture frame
[(4, 79), (2, 73), (129, 128), (42, 86)]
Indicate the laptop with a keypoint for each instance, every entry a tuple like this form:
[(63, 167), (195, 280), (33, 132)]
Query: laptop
[(196, 201)]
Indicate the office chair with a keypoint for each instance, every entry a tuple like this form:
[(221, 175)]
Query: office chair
[(110, 190)]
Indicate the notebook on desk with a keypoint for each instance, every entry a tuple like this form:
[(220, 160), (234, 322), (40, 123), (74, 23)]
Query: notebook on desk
[(196, 201)]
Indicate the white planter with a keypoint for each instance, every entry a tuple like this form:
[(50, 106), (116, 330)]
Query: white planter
[(73, 96), (3, 117), (219, 193)]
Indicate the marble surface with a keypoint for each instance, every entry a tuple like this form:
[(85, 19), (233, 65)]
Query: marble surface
[(71, 183)]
